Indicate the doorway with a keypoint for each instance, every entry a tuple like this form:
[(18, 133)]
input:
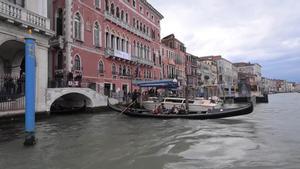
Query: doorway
[(107, 87)]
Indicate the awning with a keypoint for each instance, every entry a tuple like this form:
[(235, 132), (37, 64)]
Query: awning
[(170, 83)]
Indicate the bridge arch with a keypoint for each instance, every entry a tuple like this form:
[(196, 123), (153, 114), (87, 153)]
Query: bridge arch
[(74, 97)]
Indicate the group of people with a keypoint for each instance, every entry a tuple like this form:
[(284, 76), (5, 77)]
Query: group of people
[(70, 82), (161, 109), (12, 86)]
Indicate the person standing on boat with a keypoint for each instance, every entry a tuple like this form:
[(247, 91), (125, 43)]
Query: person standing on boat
[(135, 95)]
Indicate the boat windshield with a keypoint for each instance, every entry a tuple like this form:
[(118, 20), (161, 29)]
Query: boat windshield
[(190, 101), (174, 100)]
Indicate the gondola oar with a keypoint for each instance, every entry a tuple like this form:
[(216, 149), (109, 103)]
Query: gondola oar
[(128, 107)]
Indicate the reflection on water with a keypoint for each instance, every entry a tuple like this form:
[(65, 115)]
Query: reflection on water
[(268, 138)]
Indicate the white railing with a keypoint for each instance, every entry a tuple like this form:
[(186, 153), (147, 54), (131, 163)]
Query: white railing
[(19, 14), (126, 26)]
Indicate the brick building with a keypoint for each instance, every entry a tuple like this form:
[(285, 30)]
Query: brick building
[(105, 44)]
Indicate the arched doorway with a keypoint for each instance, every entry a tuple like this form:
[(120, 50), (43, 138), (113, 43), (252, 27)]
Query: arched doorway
[(12, 75), (12, 58)]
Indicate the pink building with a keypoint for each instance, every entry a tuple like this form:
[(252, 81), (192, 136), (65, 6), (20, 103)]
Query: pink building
[(105, 44)]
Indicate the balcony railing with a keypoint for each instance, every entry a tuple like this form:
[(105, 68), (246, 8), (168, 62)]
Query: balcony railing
[(57, 41), (142, 61), (21, 15), (126, 26), (12, 92)]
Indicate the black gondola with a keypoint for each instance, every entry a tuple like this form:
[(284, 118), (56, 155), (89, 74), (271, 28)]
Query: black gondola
[(214, 114)]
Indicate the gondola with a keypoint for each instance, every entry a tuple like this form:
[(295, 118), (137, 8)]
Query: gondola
[(214, 114)]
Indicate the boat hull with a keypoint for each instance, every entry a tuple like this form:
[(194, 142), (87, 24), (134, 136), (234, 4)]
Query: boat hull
[(216, 114), (197, 116)]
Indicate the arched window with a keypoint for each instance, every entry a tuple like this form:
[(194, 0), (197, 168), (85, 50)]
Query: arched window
[(120, 70), (128, 71), (112, 42), (77, 27), (122, 15), (126, 17), (147, 31), (127, 46), (118, 12), (145, 52), (101, 67), (118, 43), (123, 45), (112, 9), (113, 69), (133, 22), (77, 64), (107, 40), (138, 50), (106, 5), (124, 70), (97, 34), (133, 50)]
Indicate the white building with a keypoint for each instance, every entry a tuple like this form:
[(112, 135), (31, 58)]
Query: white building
[(227, 76), (17, 16), (251, 74)]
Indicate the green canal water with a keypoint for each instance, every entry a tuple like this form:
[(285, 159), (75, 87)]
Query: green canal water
[(267, 138)]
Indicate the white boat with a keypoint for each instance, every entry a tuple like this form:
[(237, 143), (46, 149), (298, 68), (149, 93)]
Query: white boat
[(197, 105)]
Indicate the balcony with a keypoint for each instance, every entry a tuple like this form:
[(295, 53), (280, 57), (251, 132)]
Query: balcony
[(57, 41), (124, 25), (18, 15), (142, 61)]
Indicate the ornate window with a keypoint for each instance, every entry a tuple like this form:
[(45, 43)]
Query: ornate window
[(78, 27), (77, 63), (126, 17), (122, 15), (124, 70), (120, 70), (97, 34), (106, 5), (128, 71), (133, 3), (113, 69), (112, 9), (118, 12), (101, 67)]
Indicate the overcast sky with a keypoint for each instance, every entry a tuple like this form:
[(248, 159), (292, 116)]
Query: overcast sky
[(262, 31)]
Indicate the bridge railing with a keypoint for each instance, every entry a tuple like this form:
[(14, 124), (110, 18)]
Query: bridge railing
[(12, 92)]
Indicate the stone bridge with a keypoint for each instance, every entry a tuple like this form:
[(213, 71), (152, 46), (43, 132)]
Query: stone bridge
[(74, 97)]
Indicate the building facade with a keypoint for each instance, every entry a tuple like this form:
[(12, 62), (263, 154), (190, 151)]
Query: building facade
[(105, 44), (251, 75), (226, 75), (175, 51), (17, 17)]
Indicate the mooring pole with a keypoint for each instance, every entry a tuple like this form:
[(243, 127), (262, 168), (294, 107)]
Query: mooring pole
[(30, 64)]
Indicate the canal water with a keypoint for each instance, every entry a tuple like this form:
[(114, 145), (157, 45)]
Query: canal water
[(268, 138)]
